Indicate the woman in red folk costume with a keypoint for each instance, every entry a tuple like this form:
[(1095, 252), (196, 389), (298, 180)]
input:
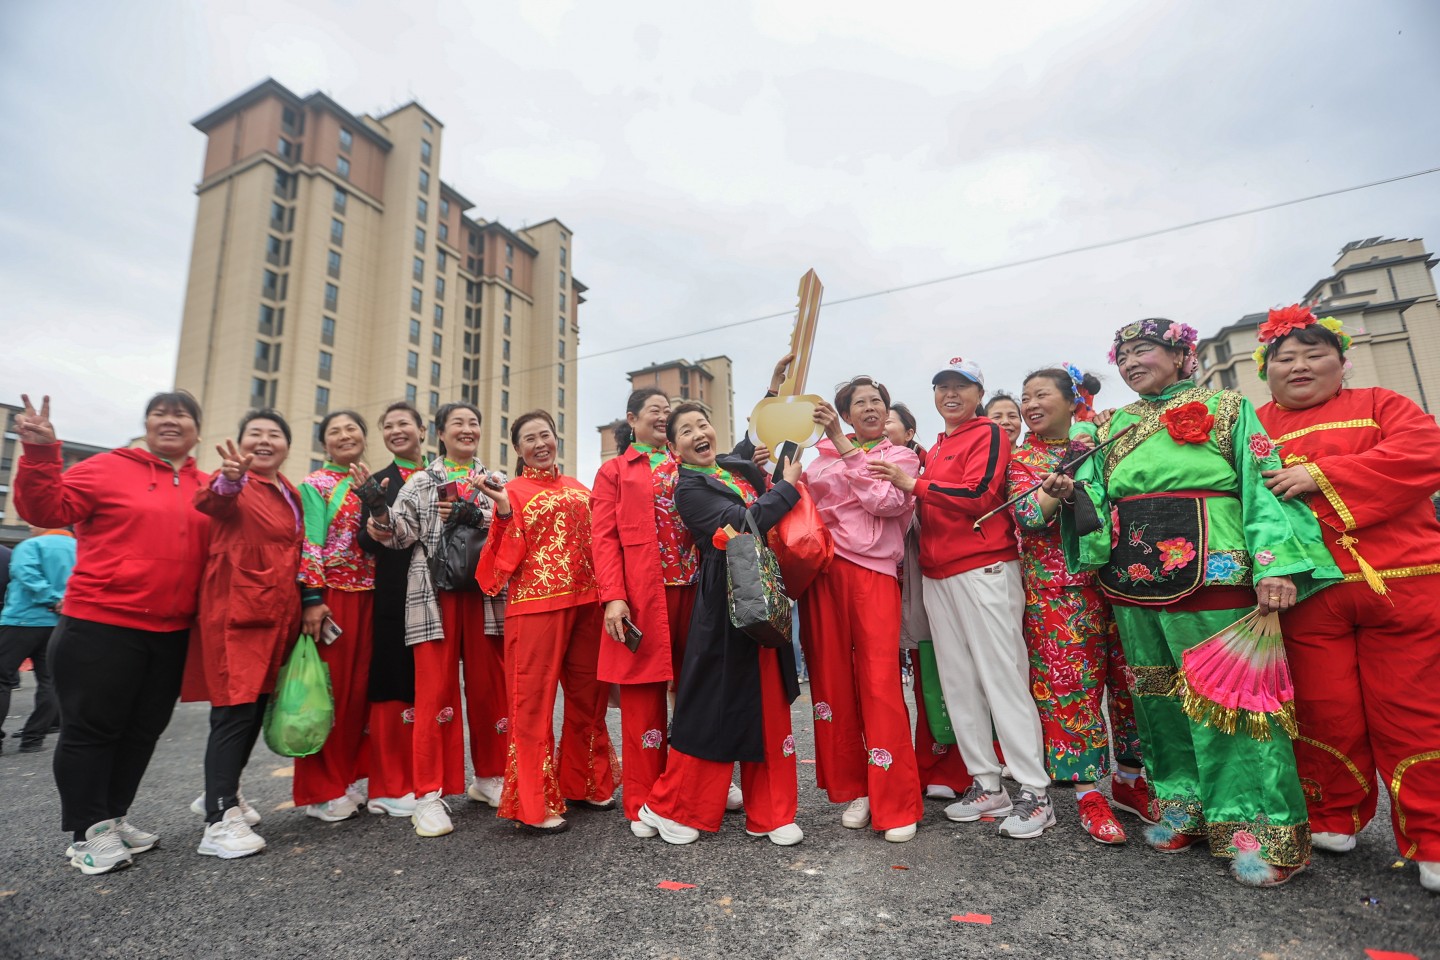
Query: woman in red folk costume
[(850, 618), (1364, 655), (539, 545)]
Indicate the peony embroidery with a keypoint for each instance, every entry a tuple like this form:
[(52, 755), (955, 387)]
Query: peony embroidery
[(1175, 553), (651, 739), (880, 757), (1114, 527), (445, 715), (822, 711), (1040, 690), (1244, 841), (1221, 567), (1128, 674), (407, 715), (939, 749), (1139, 572), (1189, 422), (502, 725), (1264, 558), (787, 746), (1175, 818), (1261, 446)]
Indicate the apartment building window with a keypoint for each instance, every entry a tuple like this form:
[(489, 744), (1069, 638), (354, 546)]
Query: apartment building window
[(424, 181), (327, 363), (347, 139), (444, 208), (434, 374), (425, 152), (562, 257), (317, 440), (562, 301), (507, 324), (443, 231), (469, 317), (412, 363), (332, 296), (436, 342), (434, 401), (561, 345), (504, 426), (410, 393), (417, 269), (504, 455), (442, 259), (341, 199), (1337, 289), (419, 238), (560, 397), (332, 264), (322, 401), (342, 167), (505, 374), (273, 248), (415, 297), (505, 400), (560, 447), (465, 368), (290, 120), (422, 209), (509, 253), (267, 320), (472, 240), (562, 326), (426, 125), (560, 421), (439, 315), (327, 331), (288, 150), (277, 216), (1227, 379), (507, 299), (415, 332), (1222, 352), (337, 232), (440, 288), (259, 387), (505, 350), (560, 372), (509, 275), (270, 285)]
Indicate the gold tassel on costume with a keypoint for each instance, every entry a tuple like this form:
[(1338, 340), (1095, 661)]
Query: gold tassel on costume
[(1377, 584)]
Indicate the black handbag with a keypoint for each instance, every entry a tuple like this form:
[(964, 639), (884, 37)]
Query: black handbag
[(759, 605), (453, 564)]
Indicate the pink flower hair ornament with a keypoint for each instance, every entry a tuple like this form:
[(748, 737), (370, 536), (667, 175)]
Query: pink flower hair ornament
[(1167, 333)]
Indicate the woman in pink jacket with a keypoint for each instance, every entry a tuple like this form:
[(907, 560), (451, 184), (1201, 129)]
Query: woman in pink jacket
[(850, 619)]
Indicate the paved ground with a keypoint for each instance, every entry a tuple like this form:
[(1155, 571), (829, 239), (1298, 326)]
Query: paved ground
[(369, 888)]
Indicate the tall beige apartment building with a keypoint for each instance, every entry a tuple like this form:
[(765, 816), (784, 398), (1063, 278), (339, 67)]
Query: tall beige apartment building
[(333, 268), (1383, 292), (707, 382)]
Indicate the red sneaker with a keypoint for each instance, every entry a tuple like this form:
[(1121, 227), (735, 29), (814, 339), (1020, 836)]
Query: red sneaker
[(1135, 798), (1177, 843), (1098, 820)]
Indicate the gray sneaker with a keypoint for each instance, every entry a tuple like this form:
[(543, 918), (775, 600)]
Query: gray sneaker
[(977, 802), (1032, 816), (135, 839), (101, 851)]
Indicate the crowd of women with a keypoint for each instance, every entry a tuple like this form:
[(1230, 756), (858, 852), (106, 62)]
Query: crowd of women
[(1058, 604)]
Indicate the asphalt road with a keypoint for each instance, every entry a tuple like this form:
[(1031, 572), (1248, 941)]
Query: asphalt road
[(369, 888)]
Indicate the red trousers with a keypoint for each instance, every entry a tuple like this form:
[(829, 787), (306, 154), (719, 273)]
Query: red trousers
[(850, 629), (1365, 668), (693, 791), (343, 760), (644, 711), (390, 749), (939, 764), (541, 650), (482, 660)]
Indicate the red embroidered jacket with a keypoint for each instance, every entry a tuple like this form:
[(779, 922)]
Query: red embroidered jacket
[(542, 550)]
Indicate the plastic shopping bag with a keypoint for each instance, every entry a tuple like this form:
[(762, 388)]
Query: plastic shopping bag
[(301, 712)]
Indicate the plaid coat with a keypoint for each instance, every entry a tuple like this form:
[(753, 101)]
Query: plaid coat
[(416, 516)]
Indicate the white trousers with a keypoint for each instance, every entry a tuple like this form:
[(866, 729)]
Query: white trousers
[(975, 622)]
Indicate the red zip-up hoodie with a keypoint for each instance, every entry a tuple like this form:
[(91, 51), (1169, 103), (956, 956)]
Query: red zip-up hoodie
[(964, 477), (141, 544)]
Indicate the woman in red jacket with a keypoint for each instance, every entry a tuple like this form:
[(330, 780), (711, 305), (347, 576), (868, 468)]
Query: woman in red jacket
[(249, 616), (539, 545), (119, 651), (646, 565)]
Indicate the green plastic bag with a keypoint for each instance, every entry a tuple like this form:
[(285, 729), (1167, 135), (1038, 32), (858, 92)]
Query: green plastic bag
[(301, 712), (935, 712)]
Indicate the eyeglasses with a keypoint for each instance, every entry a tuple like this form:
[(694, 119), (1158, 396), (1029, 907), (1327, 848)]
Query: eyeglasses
[(863, 380)]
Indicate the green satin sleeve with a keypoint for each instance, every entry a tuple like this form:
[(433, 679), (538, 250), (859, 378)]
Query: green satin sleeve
[(1092, 550)]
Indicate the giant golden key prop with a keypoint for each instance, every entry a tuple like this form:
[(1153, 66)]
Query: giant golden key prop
[(790, 416)]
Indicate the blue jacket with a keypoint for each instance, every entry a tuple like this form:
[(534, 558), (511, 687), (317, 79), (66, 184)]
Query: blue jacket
[(39, 568)]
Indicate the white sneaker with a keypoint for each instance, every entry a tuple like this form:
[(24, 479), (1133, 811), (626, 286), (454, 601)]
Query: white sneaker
[(937, 791), (1333, 842), (358, 792), (252, 816), (901, 834), (333, 811), (393, 806), (977, 802), (669, 830), (1430, 875), (431, 816), (486, 790), (643, 830), (101, 851), (135, 839), (786, 836), (1031, 816), (734, 799), (857, 814), (230, 837)]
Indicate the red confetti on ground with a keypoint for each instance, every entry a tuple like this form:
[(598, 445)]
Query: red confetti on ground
[(807, 761), (674, 885), (972, 918), (1389, 955), (987, 819), (898, 866)]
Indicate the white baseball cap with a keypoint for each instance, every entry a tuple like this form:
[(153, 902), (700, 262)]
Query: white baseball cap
[(968, 369)]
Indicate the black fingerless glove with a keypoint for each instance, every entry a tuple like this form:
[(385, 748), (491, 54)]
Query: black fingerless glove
[(372, 496), (466, 513)]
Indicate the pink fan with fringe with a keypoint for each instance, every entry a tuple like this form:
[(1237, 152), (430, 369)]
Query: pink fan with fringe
[(1240, 675)]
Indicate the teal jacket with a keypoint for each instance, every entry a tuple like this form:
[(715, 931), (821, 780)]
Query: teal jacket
[(39, 568)]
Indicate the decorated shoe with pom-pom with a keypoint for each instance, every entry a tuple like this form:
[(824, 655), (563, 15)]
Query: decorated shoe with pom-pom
[(1163, 838), (1249, 869)]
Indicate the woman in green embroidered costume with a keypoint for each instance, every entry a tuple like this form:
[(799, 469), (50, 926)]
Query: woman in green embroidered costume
[(1176, 519)]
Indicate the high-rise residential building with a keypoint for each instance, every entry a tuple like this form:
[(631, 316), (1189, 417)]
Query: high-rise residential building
[(707, 382), (1383, 292), (333, 268)]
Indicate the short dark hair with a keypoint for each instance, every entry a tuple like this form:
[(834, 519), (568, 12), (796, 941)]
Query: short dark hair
[(359, 421), (1064, 384), (443, 414), (408, 408), (172, 399), (999, 395), (264, 414), (689, 406), (624, 433), (846, 394)]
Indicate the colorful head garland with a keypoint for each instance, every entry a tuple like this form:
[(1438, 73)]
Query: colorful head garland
[(1285, 321), (1084, 399), (1179, 336)]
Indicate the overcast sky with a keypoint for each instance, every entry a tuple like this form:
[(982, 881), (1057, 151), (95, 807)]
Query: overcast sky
[(705, 159)]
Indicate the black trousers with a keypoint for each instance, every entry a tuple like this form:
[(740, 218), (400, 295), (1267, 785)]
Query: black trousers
[(17, 644), (117, 688), (233, 732)]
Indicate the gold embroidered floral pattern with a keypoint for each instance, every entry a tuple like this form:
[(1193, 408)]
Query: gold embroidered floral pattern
[(557, 530), (1149, 424), (1227, 411), (1331, 494), (1154, 681), (1282, 845), (1360, 778)]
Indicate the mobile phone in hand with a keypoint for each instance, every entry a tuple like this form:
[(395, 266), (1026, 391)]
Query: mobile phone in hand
[(450, 491), (329, 631), (495, 481), (632, 633), (789, 450)]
